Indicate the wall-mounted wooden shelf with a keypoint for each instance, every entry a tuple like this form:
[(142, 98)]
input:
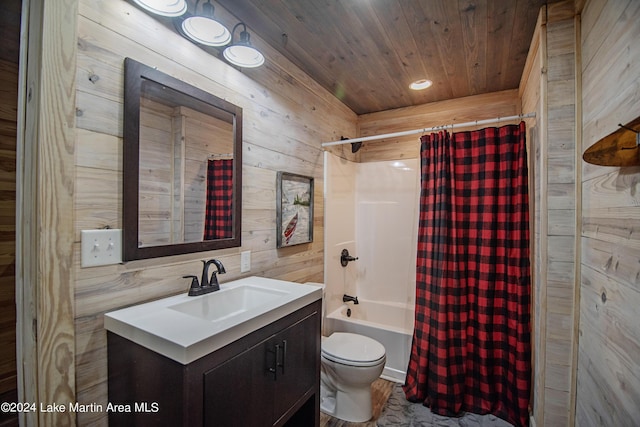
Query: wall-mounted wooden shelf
[(619, 148)]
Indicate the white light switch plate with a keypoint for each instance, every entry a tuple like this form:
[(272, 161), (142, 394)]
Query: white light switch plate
[(101, 247), (245, 261)]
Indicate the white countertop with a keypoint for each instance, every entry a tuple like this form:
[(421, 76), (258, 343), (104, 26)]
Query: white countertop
[(185, 337)]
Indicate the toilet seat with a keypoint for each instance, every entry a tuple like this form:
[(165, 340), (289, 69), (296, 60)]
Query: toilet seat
[(352, 349)]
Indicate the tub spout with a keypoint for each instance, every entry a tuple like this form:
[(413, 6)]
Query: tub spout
[(349, 298)]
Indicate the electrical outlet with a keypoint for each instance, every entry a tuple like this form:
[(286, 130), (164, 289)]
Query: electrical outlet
[(245, 261), (100, 247)]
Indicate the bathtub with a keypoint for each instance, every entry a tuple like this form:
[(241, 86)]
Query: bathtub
[(391, 324)]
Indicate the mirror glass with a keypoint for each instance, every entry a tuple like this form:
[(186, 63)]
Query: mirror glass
[(182, 167)]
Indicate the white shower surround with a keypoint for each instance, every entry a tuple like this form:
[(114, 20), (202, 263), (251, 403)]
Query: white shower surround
[(371, 209)]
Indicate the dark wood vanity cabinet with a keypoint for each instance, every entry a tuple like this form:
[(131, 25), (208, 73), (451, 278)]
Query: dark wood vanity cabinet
[(270, 377)]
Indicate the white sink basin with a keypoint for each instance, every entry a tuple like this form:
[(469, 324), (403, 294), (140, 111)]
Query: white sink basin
[(228, 302), (185, 328)]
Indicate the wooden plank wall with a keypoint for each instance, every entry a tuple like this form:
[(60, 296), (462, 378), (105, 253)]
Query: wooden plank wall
[(608, 382), (286, 117), (9, 55), (45, 274), (460, 110), (8, 104), (560, 194), (549, 87)]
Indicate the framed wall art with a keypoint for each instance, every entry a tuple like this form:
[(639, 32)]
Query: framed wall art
[(294, 209)]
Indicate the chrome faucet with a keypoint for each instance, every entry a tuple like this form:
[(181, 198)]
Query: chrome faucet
[(206, 284), (347, 298)]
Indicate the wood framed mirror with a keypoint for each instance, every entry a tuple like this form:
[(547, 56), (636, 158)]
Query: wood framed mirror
[(182, 162)]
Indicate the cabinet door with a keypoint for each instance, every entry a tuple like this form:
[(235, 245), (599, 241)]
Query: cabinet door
[(299, 362), (240, 391), (260, 385)]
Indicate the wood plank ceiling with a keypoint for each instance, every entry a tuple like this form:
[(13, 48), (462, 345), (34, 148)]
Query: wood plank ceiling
[(367, 52)]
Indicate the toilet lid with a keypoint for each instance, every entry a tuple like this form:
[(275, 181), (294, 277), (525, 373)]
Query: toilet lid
[(352, 349)]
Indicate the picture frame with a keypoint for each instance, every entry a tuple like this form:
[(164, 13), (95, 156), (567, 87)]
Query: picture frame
[(294, 209)]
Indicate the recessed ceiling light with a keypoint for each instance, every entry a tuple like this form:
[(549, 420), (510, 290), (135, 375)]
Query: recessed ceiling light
[(420, 84)]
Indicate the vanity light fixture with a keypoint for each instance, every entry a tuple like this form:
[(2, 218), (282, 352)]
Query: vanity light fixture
[(242, 53), (170, 8), (204, 29), (420, 84)]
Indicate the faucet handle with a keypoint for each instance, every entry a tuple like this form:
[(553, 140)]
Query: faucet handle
[(345, 257), (195, 286)]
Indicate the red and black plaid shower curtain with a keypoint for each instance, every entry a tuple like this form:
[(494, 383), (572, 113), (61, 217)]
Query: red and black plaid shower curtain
[(471, 348), (218, 220)]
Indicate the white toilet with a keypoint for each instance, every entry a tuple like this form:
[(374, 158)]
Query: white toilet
[(349, 363)]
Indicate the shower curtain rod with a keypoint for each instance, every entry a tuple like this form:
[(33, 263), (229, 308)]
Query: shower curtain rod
[(430, 129)]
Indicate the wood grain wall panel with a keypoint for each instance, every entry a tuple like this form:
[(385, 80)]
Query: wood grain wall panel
[(612, 189), (561, 248), (286, 117), (479, 107), (561, 196), (604, 224), (98, 114), (8, 131), (605, 307), (610, 68), (9, 55), (614, 260), (560, 272), (91, 372), (98, 150), (45, 282), (562, 10), (549, 87), (608, 383), (561, 222), (97, 199)]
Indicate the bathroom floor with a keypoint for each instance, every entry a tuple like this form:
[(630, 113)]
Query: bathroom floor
[(380, 392), (391, 409)]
